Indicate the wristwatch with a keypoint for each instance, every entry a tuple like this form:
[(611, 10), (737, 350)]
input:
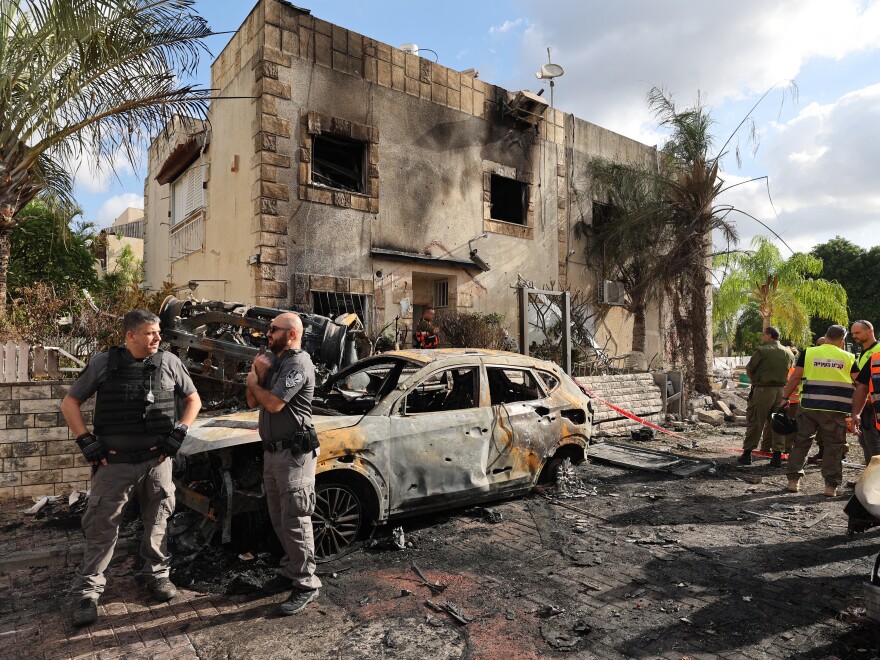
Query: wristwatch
[(183, 428)]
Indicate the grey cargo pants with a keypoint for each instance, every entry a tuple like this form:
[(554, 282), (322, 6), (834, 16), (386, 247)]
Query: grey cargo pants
[(289, 482), (112, 487)]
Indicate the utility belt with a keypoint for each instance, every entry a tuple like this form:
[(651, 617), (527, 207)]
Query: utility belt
[(133, 456), (302, 442)]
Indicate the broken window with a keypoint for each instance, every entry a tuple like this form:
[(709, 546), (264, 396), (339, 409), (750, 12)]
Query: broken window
[(450, 389), (512, 385), (338, 162), (603, 213), (333, 304), (551, 382), (508, 200), (357, 392)]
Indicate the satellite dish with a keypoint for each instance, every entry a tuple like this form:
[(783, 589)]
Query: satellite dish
[(550, 71)]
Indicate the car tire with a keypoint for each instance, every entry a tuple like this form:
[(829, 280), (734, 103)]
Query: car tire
[(557, 468), (339, 519)]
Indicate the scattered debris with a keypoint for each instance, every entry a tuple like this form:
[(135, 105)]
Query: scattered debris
[(399, 538), (767, 515), (40, 503), (451, 609), (642, 458), (817, 519), (435, 587), (642, 435), (713, 417), (246, 556), (489, 515), (562, 639), (549, 611)]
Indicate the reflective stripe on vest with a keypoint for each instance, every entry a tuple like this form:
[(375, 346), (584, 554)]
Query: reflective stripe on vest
[(796, 395), (874, 387), (827, 381)]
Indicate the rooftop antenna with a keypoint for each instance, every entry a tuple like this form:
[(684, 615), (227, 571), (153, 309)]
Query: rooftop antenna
[(550, 71)]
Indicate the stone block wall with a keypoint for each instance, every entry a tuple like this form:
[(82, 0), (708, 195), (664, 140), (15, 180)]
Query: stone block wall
[(635, 393), (38, 456)]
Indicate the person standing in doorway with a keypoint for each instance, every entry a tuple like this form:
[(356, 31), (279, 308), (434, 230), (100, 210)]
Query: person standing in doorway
[(425, 335)]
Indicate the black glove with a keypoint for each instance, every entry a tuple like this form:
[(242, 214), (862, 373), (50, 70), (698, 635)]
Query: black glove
[(171, 442), (91, 448)]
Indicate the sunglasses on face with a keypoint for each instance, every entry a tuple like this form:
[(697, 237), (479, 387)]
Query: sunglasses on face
[(273, 328)]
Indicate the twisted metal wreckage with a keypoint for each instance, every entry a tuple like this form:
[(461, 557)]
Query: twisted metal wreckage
[(401, 432)]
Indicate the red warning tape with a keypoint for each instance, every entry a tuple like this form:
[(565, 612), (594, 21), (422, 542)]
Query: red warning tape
[(631, 416)]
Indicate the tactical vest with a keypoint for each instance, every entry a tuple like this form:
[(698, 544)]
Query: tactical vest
[(827, 381), (122, 407), (423, 338), (866, 355)]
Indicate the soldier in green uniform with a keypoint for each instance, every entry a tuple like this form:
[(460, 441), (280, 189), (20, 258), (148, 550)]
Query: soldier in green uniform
[(768, 371)]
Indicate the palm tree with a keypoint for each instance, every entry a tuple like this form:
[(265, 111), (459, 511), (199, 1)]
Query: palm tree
[(86, 78), (692, 185), (788, 292), (630, 240)]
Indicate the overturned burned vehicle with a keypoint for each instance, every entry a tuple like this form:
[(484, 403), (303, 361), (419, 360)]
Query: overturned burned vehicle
[(401, 433), (217, 340)]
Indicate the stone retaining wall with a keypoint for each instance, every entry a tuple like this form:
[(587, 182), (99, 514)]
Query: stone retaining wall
[(635, 393), (37, 453)]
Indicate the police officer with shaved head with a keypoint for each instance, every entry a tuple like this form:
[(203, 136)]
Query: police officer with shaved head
[(282, 385), (136, 428)]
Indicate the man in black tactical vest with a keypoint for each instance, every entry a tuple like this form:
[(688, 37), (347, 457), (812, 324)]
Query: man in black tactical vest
[(135, 429), (282, 386)]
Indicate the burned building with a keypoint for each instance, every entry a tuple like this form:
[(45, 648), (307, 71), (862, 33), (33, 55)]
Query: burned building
[(337, 173)]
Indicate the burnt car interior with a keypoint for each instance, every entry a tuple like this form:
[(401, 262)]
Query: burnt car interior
[(357, 391), (511, 385), (450, 389)]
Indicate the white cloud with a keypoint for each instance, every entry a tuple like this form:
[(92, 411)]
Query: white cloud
[(90, 178), (614, 52), (114, 206), (507, 26)]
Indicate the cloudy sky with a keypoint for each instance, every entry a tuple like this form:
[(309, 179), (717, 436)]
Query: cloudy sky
[(816, 147)]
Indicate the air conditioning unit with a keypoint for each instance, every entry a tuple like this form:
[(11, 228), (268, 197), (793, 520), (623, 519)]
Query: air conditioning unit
[(611, 293)]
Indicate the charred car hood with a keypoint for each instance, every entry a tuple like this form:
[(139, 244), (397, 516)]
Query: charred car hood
[(241, 428)]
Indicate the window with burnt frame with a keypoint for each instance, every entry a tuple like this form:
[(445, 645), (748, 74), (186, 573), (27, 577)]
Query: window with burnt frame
[(339, 162), (508, 203)]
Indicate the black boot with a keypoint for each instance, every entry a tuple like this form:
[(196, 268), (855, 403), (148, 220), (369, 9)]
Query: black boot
[(776, 460), (746, 458)]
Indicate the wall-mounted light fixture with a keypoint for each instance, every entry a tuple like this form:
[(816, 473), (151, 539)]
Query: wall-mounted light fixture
[(476, 258)]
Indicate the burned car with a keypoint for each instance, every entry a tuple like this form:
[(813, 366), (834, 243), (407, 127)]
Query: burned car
[(401, 433)]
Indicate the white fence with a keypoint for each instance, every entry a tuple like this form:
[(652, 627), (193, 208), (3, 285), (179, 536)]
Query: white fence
[(20, 363), (730, 363)]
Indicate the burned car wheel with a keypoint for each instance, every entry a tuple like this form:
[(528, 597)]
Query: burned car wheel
[(338, 519)]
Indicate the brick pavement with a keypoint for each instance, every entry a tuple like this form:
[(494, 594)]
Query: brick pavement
[(650, 567)]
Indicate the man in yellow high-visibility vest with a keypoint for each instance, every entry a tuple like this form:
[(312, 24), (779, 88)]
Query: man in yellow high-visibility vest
[(826, 399)]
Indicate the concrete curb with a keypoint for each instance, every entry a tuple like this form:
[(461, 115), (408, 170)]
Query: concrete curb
[(58, 555)]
